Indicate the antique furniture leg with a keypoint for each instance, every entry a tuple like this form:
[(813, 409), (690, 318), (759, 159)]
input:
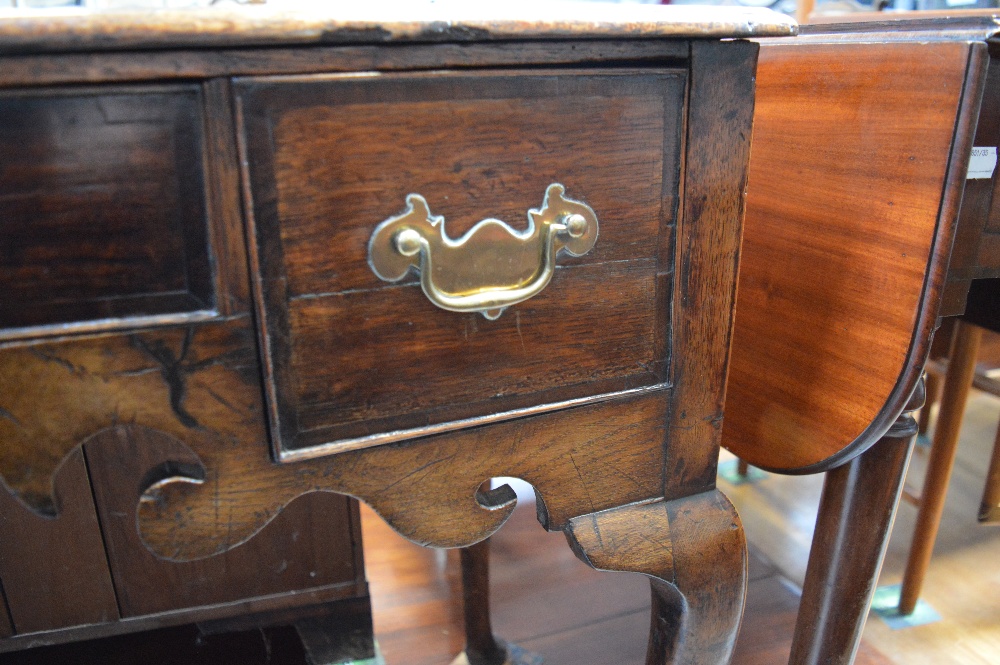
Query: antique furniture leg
[(961, 367), (481, 647), (694, 551), (742, 467), (852, 530), (989, 509)]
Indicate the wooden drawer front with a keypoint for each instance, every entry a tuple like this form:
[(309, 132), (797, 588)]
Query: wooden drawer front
[(103, 210), (359, 361)]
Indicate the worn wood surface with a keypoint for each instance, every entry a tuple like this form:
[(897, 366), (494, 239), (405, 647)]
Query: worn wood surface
[(708, 248), (354, 356), (311, 544), (53, 567), (694, 551), (104, 212), (23, 30), (844, 560), (196, 383), (854, 182), (57, 68), (259, 640), (580, 460), (231, 279), (184, 403)]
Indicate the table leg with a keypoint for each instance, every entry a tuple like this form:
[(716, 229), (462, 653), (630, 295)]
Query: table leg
[(989, 509), (694, 551), (852, 530), (481, 647), (957, 383)]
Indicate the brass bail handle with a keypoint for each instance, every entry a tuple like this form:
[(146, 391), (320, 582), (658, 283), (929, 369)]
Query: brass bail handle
[(492, 266)]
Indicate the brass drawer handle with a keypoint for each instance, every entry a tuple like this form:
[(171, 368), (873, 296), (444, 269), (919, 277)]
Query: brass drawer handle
[(492, 266)]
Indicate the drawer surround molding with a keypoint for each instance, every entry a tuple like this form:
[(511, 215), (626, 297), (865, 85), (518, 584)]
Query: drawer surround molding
[(603, 133)]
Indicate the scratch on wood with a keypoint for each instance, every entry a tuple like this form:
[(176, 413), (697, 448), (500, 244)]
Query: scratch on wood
[(7, 415), (517, 322), (586, 488), (75, 369), (597, 530), (418, 470)]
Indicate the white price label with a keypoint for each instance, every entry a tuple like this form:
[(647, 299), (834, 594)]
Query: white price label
[(982, 163)]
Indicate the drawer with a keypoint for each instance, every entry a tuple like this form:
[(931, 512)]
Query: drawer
[(103, 203), (353, 360)]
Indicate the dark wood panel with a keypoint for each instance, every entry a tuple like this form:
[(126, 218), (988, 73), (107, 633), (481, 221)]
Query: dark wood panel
[(224, 203), (849, 196), (311, 544), (392, 360), (287, 605), (104, 212), (54, 568), (6, 627), (971, 255), (323, 175), (56, 68), (184, 645)]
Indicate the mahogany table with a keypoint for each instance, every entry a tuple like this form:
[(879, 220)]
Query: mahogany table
[(862, 231)]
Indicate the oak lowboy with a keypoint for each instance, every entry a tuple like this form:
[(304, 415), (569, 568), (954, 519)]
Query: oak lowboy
[(231, 285)]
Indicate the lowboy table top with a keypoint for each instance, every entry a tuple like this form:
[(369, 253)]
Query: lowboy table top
[(26, 31)]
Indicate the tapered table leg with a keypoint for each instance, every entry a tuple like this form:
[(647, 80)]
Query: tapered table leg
[(961, 368), (852, 530), (481, 647), (989, 509)]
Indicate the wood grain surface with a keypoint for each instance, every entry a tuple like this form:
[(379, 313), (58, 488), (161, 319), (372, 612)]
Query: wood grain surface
[(854, 180), (172, 64), (311, 544), (708, 249), (194, 383), (269, 25), (844, 560), (354, 356), (694, 551), (54, 569), (580, 460), (661, 154), (104, 212), (6, 627)]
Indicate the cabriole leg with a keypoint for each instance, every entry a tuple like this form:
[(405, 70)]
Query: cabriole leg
[(694, 551)]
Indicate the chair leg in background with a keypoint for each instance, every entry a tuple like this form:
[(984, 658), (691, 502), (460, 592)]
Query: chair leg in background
[(961, 368)]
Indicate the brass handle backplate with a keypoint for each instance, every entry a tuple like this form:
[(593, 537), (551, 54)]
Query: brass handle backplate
[(492, 266)]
